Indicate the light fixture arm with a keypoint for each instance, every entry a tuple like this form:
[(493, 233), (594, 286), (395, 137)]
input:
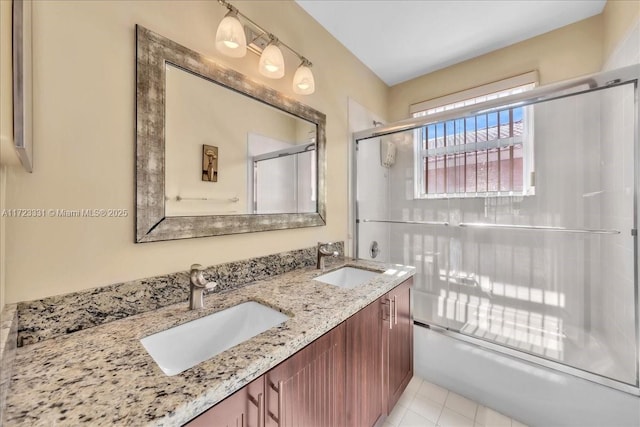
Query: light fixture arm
[(305, 62), (230, 7), (272, 38)]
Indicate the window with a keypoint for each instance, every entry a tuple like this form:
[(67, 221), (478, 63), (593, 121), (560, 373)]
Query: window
[(485, 155)]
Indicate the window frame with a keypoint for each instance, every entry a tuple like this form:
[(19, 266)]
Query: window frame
[(476, 96)]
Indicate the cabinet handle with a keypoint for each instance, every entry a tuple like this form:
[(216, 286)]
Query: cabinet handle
[(388, 303), (280, 401), (395, 310), (280, 391), (260, 409), (260, 405)]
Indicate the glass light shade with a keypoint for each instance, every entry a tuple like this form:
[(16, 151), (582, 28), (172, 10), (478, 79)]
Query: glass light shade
[(230, 38), (303, 82), (272, 62)]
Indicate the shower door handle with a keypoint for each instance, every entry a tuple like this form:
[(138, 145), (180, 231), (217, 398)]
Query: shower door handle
[(392, 221)]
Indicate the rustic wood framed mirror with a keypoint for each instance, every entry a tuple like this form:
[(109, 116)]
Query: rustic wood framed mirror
[(270, 150)]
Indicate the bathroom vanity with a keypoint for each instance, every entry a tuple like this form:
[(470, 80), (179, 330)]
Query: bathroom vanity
[(341, 348), (352, 375)]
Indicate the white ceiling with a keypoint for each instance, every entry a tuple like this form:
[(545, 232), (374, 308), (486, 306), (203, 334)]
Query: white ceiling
[(403, 39)]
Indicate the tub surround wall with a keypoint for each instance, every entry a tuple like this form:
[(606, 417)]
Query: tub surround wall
[(372, 196), (54, 316)]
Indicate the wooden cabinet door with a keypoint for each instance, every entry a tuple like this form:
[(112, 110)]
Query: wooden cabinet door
[(400, 342), (364, 366), (308, 389), (244, 408)]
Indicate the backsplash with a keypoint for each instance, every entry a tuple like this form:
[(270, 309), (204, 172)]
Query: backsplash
[(50, 317)]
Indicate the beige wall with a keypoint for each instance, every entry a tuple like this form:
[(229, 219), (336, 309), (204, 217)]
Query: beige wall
[(7, 153), (84, 116), (557, 55), (199, 112), (84, 127), (3, 180), (618, 17)]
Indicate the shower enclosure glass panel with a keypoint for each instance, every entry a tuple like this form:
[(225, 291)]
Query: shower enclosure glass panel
[(550, 273), (284, 181)]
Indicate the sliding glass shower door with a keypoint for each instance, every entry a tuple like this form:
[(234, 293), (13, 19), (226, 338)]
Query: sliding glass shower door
[(527, 240)]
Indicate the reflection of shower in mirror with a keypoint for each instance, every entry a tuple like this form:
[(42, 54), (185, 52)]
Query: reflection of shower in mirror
[(312, 136), (282, 173)]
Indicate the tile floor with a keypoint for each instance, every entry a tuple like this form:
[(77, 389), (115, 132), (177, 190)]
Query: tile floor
[(424, 404)]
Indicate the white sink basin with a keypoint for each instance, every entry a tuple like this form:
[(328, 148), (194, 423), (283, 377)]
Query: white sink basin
[(347, 277), (182, 347)]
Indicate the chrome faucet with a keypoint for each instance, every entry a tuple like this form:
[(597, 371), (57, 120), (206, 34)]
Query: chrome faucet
[(324, 250), (198, 285)]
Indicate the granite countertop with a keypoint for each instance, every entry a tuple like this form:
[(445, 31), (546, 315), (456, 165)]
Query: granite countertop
[(103, 375)]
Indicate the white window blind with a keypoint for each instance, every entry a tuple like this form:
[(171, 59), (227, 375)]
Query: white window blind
[(475, 95)]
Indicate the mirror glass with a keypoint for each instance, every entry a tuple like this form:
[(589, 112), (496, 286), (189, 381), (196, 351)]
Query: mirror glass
[(265, 157), (218, 153)]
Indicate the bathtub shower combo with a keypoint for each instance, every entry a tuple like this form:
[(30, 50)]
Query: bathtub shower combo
[(520, 215)]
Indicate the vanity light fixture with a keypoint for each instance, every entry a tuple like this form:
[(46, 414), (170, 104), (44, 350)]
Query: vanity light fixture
[(230, 37), (303, 82), (237, 33), (271, 61)]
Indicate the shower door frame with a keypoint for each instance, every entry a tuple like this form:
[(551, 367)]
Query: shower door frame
[(573, 87)]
